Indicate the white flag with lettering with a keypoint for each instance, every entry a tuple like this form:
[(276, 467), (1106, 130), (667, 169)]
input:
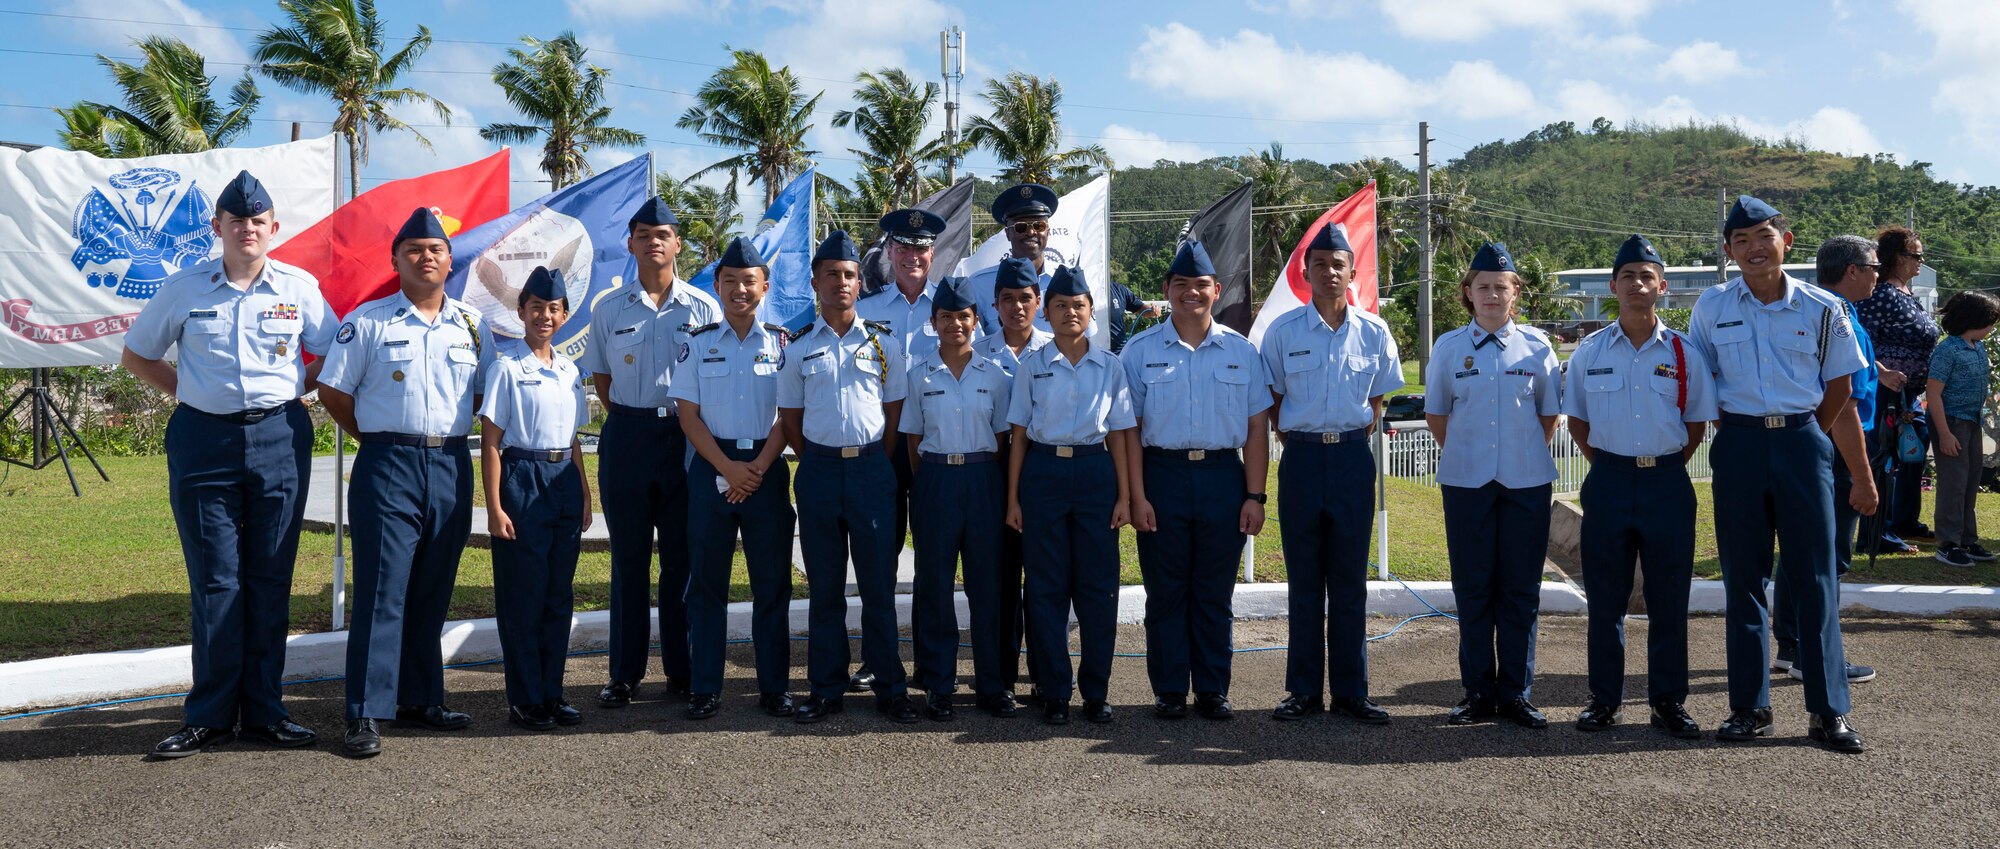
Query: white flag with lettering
[(1079, 236)]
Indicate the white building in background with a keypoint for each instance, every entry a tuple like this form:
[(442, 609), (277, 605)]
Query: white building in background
[(1591, 287)]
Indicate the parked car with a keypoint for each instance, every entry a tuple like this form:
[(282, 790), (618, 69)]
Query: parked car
[(1400, 408)]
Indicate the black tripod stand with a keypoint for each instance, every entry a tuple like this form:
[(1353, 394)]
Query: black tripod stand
[(43, 417)]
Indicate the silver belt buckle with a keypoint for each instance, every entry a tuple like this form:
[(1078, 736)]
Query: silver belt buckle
[(1065, 451), (556, 455), (850, 452), (1329, 438), (1197, 455), (1774, 422), (745, 444), (1648, 462), (660, 412), (954, 459), (433, 442)]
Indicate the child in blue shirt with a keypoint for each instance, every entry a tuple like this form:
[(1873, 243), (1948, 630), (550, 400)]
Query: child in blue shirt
[(1957, 391)]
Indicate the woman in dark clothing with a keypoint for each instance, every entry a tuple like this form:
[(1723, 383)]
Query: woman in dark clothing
[(1904, 334)]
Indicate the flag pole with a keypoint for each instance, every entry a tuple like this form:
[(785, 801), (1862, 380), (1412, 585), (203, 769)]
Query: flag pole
[(340, 479), (1382, 434)]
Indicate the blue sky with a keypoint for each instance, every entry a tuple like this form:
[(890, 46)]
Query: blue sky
[(1331, 79)]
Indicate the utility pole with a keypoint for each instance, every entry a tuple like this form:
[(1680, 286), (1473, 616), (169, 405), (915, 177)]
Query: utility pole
[(951, 63), (1721, 243), (1424, 330)]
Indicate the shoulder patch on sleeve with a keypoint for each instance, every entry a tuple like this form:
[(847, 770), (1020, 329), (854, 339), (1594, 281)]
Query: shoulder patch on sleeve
[(346, 333)]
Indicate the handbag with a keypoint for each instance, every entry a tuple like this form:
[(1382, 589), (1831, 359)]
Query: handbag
[(1910, 447)]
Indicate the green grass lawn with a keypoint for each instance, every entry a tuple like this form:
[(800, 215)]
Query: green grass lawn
[(104, 572)]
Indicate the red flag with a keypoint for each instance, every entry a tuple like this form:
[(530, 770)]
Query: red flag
[(1356, 216), (349, 250)]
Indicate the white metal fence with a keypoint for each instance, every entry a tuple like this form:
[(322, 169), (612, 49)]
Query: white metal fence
[(1412, 455)]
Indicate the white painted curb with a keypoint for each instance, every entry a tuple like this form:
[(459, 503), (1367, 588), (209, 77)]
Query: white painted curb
[(85, 678)]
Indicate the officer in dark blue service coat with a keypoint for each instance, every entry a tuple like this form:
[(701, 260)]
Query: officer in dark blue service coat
[(1199, 391), (239, 452), (1330, 367), (537, 504), (404, 377), (1783, 353), (1639, 397), (637, 340), (957, 404), (739, 483), (840, 391)]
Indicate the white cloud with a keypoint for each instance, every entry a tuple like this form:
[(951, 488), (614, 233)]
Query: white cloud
[(1841, 131), (1130, 147), (1472, 20), (1583, 101), (1832, 128), (114, 37), (1966, 59), (1702, 62), (1477, 91), (591, 10)]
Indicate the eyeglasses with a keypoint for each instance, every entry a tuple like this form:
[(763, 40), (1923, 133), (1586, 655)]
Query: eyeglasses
[(1023, 228), (1872, 266), (1918, 256)]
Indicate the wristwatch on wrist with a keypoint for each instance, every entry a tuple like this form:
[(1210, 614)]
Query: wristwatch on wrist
[(1258, 497)]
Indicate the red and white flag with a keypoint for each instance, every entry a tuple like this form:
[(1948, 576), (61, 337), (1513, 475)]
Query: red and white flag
[(1355, 216)]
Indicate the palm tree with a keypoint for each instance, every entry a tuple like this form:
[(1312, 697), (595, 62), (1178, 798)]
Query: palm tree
[(336, 48), (551, 83), (169, 106), (891, 120), (747, 106), (1274, 184), (1025, 131), (707, 215)]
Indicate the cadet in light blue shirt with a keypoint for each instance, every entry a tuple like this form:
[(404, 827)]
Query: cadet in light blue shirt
[(537, 504), (1639, 398), (1782, 352), (239, 457), (1330, 367), (1016, 298), (1491, 398), (404, 376), (1199, 391)]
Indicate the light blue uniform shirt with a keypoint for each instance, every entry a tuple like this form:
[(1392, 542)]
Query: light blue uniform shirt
[(735, 380), (957, 415), (1326, 376), (910, 322), (408, 375), (538, 407), (1195, 398), (995, 348), (842, 381), (641, 346), (1061, 403), (1773, 359), (1494, 396), (239, 350), (1632, 397)]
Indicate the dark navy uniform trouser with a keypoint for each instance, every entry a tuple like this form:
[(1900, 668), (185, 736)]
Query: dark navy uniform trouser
[(238, 496), (960, 523), (1189, 567), (765, 521), (845, 509), (1634, 516), (1012, 610), (1326, 509), (1498, 538), (1784, 610), (534, 574), (412, 513), (642, 482), (1071, 555), (1776, 485)]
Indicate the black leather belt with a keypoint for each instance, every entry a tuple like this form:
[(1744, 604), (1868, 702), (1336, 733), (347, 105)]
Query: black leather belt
[(552, 455), (244, 416), (667, 412), (935, 458), (1766, 422), (731, 448), (1306, 437), (1194, 455), (412, 440), (844, 452), (1067, 450), (1601, 457)]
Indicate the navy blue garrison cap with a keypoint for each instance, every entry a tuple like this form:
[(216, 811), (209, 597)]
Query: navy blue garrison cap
[(1636, 249), (1330, 238), (653, 213), (913, 227), (1027, 200), (1748, 212), (545, 284), (837, 246), (741, 254), (1492, 256), (244, 197), (423, 224), (1068, 280), (1015, 274), (950, 296), (1191, 261)]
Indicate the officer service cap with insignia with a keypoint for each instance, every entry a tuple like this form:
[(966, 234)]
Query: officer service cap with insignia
[(742, 254), (1636, 249), (1492, 256), (1191, 260), (1068, 280), (244, 197), (1029, 200), (1748, 212), (423, 224), (837, 246), (950, 296), (546, 284), (1015, 273), (1330, 238), (914, 227), (653, 213)]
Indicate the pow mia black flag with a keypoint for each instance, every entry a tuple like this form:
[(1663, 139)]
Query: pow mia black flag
[(1224, 229)]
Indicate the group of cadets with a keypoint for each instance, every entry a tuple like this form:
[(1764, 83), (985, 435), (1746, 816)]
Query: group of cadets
[(1025, 447)]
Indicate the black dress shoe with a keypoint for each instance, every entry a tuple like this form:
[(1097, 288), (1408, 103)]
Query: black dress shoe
[(433, 717), (364, 739), (284, 734), (1214, 706), (1597, 716), (998, 705), (1363, 709), (1743, 725), (1055, 712), (703, 706), (679, 687), (1470, 709), (191, 739), (816, 709), (1521, 713), (899, 709), (937, 706), (616, 694), (563, 712), (776, 704), (1296, 706), (1170, 706), (1833, 731), (531, 717), (861, 681), (1096, 711), (1673, 718)]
